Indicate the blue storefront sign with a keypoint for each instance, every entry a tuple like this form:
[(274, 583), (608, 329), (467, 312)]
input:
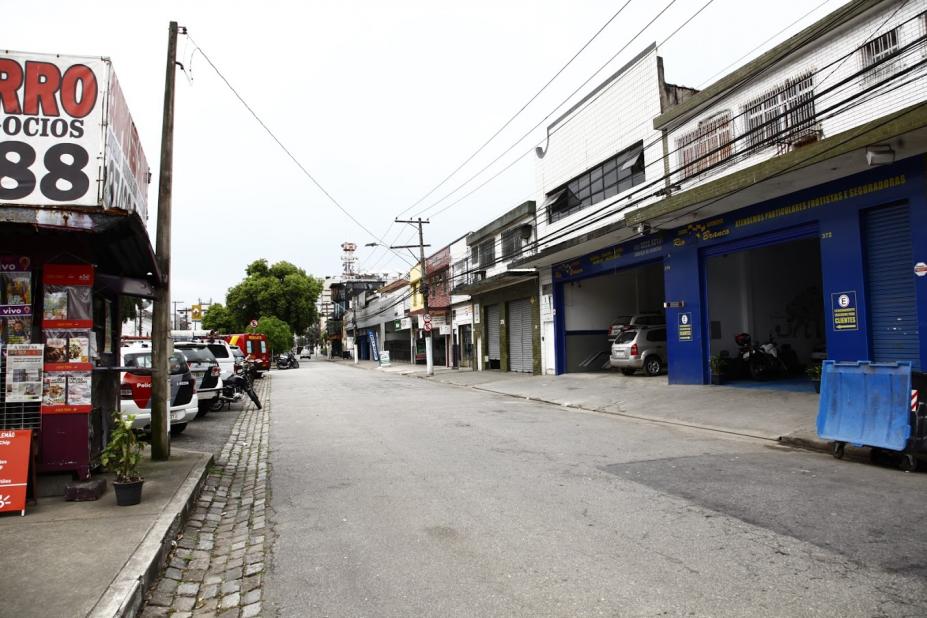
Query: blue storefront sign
[(833, 213), (374, 349)]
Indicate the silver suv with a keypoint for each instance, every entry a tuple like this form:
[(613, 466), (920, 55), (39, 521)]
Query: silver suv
[(642, 347)]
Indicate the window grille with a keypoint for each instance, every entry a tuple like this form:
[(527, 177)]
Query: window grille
[(876, 53), (487, 253), (707, 146), (511, 242), (782, 115)]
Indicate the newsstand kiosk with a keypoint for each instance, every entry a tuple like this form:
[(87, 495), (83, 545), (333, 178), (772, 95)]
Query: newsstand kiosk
[(73, 246)]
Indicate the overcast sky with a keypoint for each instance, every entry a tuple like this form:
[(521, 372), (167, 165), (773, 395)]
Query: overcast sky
[(378, 100)]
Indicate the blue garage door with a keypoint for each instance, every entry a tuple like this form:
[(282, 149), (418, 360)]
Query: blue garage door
[(890, 285)]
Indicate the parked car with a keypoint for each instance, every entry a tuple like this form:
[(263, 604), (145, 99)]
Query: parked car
[(205, 369), (135, 389), (222, 352), (643, 347), (306, 352), (624, 322)]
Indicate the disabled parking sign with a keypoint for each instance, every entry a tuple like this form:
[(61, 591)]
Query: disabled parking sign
[(843, 309)]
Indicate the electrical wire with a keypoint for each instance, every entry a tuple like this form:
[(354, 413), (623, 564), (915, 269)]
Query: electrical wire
[(283, 147)]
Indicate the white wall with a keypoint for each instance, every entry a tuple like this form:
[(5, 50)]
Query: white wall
[(615, 118), (594, 303), (825, 58)]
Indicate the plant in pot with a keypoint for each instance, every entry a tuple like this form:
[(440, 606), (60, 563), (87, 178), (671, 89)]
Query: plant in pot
[(121, 457), (814, 372), (717, 365)]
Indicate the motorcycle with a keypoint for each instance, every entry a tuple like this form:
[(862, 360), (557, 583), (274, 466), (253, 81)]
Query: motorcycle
[(287, 361), (238, 384), (758, 362)]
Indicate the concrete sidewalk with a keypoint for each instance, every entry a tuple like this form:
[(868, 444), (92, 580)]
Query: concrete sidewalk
[(782, 416), (96, 558)]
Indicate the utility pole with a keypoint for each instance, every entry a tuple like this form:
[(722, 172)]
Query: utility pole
[(423, 287), (160, 327), (174, 315)]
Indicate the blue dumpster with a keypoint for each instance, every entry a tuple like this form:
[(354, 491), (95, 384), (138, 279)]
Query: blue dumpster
[(866, 404)]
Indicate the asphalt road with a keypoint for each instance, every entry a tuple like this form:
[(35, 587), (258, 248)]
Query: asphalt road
[(395, 496)]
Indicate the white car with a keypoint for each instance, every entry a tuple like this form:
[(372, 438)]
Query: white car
[(205, 370), (223, 353), (135, 389)]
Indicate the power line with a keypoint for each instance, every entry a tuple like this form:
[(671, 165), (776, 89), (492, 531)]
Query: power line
[(513, 117), (571, 95), (283, 147)]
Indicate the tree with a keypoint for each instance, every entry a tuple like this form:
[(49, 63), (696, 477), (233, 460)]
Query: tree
[(220, 319), (314, 335), (280, 290), (279, 335)]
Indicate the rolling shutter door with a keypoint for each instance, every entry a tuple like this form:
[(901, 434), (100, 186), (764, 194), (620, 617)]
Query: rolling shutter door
[(520, 333), (492, 329), (890, 285)]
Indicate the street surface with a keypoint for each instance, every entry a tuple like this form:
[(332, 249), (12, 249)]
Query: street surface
[(395, 496)]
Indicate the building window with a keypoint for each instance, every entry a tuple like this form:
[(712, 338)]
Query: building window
[(460, 273), (782, 115), (513, 240), (487, 253), (707, 146), (609, 178), (876, 54)]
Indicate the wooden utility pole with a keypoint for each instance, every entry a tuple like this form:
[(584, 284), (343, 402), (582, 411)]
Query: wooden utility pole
[(161, 318), (423, 287)]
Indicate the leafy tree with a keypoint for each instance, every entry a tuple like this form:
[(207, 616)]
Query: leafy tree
[(279, 335), (314, 335), (220, 319), (281, 290)]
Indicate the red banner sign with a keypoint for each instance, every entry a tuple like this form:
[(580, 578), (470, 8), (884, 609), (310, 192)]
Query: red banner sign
[(68, 274), (14, 469)]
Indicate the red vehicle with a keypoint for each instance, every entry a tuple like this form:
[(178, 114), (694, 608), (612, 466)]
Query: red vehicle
[(254, 344)]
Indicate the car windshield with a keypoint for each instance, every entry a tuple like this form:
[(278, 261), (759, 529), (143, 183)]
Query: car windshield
[(137, 359), (218, 350), (177, 363), (626, 337), (198, 355)]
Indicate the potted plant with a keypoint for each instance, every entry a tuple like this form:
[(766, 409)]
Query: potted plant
[(121, 457), (814, 372), (717, 364)]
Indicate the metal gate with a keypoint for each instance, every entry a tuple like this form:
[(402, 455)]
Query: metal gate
[(893, 334), (492, 329), (520, 353)]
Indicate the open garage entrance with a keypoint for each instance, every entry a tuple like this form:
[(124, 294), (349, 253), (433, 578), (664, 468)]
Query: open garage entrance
[(593, 304), (772, 291)]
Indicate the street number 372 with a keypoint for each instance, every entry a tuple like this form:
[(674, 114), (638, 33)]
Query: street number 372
[(62, 179)]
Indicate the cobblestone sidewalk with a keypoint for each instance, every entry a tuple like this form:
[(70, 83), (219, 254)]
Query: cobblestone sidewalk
[(217, 566)]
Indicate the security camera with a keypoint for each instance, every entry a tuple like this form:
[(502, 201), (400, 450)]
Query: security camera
[(642, 228)]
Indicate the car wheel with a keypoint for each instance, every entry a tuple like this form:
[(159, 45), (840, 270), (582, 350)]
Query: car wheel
[(653, 365), (204, 406), (178, 428), (628, 371)]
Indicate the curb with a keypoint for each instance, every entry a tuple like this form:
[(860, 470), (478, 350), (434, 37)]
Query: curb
[(126, 594)]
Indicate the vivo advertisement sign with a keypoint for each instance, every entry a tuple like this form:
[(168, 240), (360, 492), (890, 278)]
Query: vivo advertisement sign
[(67, 138)]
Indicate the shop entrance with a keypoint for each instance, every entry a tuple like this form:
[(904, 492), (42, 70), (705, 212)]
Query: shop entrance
[(765, 311), (593, 305), (465, 345)]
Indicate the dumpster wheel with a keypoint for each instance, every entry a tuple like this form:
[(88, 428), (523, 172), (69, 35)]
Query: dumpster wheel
[(908, 462), (838, 449)]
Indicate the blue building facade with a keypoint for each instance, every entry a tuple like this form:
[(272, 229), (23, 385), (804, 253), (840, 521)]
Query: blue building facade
[(871, 230)]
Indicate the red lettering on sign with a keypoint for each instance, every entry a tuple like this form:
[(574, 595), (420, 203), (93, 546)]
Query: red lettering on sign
[(42, 82), (11, 78), (82, 75)]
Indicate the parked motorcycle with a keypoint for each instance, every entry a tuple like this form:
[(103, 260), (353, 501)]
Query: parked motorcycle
[(758, 362), (238, 384), (287, 361)]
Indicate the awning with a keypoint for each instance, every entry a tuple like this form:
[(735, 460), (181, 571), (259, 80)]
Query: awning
[(502, 280)]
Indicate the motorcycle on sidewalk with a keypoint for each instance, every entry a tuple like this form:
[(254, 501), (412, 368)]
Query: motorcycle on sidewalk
[(239, 384)]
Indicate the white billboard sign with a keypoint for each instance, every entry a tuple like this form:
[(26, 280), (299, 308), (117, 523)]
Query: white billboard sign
[(66, 136)]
